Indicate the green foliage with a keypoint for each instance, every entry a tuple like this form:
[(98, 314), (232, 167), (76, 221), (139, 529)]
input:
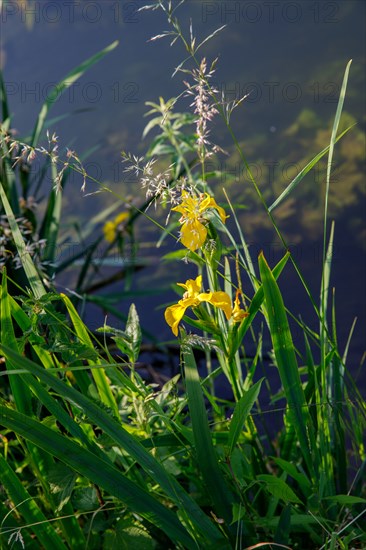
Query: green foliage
[(128, 341), (94, 456)]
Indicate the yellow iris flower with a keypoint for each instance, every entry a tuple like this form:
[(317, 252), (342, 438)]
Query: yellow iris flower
[(193, 231), (111, 228), (193, 298)]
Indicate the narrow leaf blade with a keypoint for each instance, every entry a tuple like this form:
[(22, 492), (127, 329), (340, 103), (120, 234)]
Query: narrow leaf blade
[(287, 364), (241, 411)]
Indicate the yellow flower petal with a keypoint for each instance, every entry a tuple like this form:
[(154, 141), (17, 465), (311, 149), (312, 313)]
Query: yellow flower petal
[(209, 202), (193, 231), (188, 206), (173, 316), (192, 286), (193, 234), (218, 299), (192, 298)]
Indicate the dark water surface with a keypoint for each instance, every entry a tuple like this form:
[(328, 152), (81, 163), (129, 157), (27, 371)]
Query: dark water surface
[(290, 56)]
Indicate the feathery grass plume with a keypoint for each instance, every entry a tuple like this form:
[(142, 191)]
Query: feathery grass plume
[(204, 107), (22, 155)]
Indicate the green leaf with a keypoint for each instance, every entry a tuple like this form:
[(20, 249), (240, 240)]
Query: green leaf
[(292, 471), (222, 498), (32, 275), (241, 411), (195, 517), (19, 388), (279, 488), (99, 375), (151, 124), (256, 303), (62, 481), (99, 472), (287, 365), (176, 254), (295, 182), (126, 538), (133, 331), (85, 499), (284, 526), (128, 341), (346, 500)]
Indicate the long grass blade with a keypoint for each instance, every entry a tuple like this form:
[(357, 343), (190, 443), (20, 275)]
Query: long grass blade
[(295, 182), (338, 442), (325, 285), (324, 418), (256, 303), (19, 388), (325, 412), (32, 275), (200, 522), (65, 83), (97, 471), (48, 361), (240, 414), (64, 418), (326, 273), (287, 365), (26, 505), (23, 400), (246, 259), (99, 375), (333, 140), (207, 460)]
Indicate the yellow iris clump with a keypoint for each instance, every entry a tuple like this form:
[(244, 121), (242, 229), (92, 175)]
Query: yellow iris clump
[(193, 297)]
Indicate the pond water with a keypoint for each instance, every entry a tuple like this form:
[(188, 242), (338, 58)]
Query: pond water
[(290, 56)]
